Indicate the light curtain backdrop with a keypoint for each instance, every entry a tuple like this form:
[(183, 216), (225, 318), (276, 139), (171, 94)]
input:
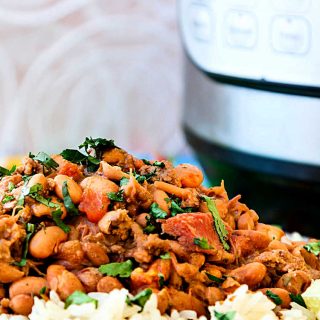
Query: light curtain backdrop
[(74, 68)]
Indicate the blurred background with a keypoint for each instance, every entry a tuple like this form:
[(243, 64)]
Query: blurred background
[(233, 84), (76, 68)]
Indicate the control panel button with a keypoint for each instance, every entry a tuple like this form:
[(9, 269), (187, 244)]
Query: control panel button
[(241, 29), (200, 22), (292, 5), (291, 34)]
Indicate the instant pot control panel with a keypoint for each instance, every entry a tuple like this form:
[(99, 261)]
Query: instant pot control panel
[(276, 41)]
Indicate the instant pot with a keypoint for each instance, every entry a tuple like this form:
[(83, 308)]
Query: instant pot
[(252, 102)]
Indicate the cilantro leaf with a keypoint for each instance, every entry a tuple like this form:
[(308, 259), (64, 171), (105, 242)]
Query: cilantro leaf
[(70, 206), (218, 223), (214, 278), (141, 298), (313, 247), (159, 164), (78, 298), (30, 230), (28, 191), (43, 290), (230, 315), (7, 172), (97, 144), (165, 256), (121, 269), (116, 196), (73, 156), (150, 228), (147, 162), (7, 199), (202, 243), (161, 280), (297, 298), (11, 186), (157, 212), (274, 297), (45, 160), (124, 181), (56, 217)]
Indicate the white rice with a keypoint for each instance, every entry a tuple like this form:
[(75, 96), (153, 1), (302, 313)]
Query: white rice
[(112, 306)]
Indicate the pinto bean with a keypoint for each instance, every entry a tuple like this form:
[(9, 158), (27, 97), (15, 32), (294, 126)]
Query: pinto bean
[(95, 253), (141, 219), (89, 277), (112, 172), (251, 274), (281, 293), (213, 294), (21, 304), (107, 284), (9, 273), (190, 175), (245, 222), (38, 178), (277, 245), (161, 198), (74, 189), (71, 251), (273, 232), (295, 281), (2, 292), (27, 285), (46, 241), (62, 281)]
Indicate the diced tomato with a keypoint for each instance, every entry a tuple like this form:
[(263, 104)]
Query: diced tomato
[(188, 226), (94, 204), (70, 169)]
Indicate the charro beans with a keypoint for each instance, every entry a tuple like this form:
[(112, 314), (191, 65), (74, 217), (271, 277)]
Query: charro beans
[(45, 242), (74, 189), (190, 175), (21, 304), (9, 273), (107, 284), (27, 285), (62, 281), (251, 274), (281, 293), (38, 178)]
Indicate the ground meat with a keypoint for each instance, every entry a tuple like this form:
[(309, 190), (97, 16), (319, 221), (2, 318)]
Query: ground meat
[(12, 236)]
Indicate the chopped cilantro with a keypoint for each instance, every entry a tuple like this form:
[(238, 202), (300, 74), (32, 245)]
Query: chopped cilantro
[(43, 290), (70, 206), (161, 280), (202, 243), (78, 297), (166, 256), (141, 298), (124, 181), (147, 162), (230, 315), (45, 160), (274, 297), (156, 212), (116, 196), (313, 247), (97, 144), (7, 199), (297, 298), (150, 229), (218, 223), (74, 156), (214, 278), (156, 163), (176, 209), (7, 172), (28, 191), (56, 217), (11, 186), (121, 269)]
